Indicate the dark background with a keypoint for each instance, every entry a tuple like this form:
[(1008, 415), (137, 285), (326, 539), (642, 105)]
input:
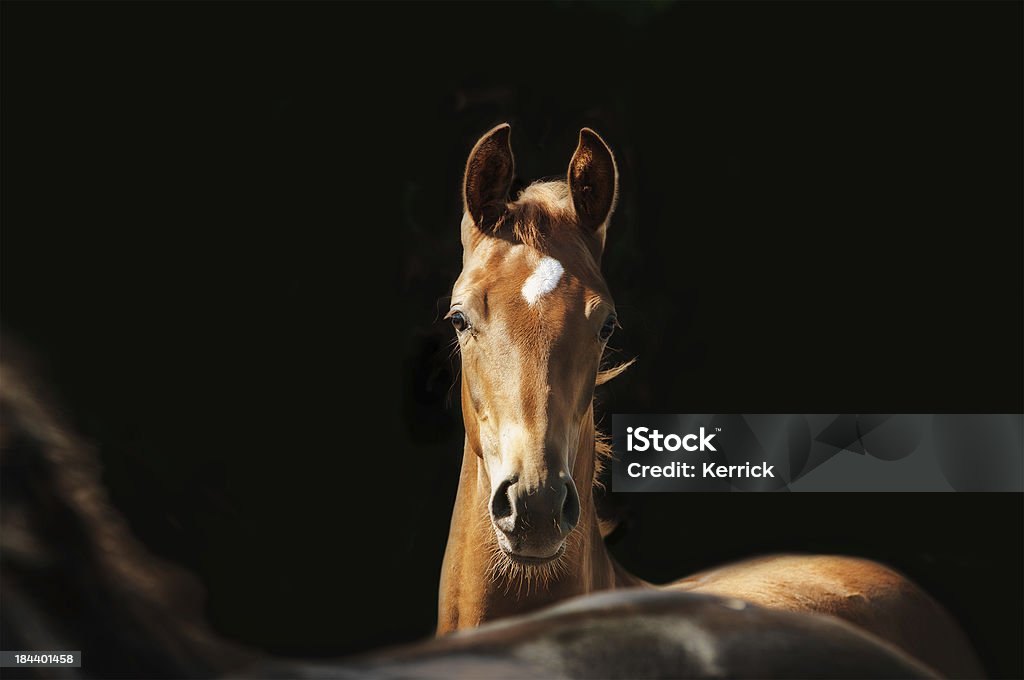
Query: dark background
[(229, 232)]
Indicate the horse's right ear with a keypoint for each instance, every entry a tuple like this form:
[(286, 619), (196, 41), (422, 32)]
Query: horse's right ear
[(489, 174)]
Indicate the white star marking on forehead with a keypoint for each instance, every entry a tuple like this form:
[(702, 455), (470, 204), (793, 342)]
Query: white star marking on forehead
[(543, 279)]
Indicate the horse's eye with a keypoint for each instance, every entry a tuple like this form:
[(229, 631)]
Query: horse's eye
[(609, 327), (460, 321)]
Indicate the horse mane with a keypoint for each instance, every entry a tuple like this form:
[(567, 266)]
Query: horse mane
[(607, 516)]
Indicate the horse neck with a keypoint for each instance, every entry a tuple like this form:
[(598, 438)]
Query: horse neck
[(472, 593)]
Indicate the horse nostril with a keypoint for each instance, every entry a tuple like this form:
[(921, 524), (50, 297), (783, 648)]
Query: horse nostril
[(570, 508), (501, 506)]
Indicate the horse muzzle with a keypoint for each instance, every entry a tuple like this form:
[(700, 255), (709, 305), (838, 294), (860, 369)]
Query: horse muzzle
[(532, 523)]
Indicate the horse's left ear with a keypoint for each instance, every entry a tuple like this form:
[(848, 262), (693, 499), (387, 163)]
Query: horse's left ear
[(593, 183)]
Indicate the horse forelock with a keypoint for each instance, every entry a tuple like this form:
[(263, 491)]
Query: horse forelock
[(541, 213)]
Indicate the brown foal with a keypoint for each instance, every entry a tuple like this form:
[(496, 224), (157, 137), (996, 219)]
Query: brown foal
[(533, 314)]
